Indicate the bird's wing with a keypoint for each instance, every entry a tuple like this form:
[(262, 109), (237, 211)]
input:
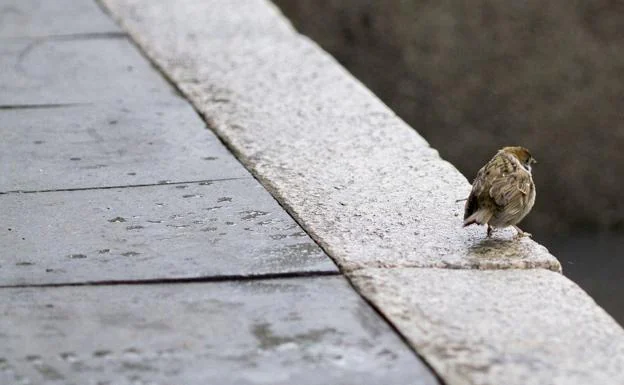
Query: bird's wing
[(480, 182), (511, 190)]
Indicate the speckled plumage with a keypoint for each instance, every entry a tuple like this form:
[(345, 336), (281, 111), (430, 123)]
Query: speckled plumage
[(503, 192)]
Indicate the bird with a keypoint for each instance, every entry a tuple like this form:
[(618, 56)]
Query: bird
[(503, 192)]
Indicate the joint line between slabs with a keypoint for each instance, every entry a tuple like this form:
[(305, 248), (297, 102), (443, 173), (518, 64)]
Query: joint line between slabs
[(169, 281), (10, 107), (122, 186), (91, 36), (72, 36)]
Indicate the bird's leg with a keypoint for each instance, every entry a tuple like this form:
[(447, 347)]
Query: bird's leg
[(521, 233), (489, 231)]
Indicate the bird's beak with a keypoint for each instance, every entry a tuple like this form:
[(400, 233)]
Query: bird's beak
[(533, 161)]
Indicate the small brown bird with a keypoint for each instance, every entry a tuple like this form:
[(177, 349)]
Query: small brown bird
[(503, 192)]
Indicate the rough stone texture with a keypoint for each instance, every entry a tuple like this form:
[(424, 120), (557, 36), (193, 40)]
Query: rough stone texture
[(363, 183), (39, 18), (303, 331), (500, 327), (109, 145), (157, 232), (77, 70), (472, 77)]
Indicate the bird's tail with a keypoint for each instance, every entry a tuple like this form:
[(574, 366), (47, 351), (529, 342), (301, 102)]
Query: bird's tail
[(479, 217)]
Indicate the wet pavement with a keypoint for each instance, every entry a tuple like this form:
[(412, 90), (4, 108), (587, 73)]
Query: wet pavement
[(108, 144), (314, 330), (135, 249), (187, 230)]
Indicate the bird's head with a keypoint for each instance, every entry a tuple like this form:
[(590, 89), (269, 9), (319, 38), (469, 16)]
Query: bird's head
[(522, 154)]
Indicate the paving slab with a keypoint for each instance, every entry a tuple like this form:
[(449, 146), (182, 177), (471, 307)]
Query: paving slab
[(363, 183), (207, 229), (109, 145), (38, 18), (77, 70), (290, 331), (500, 327)]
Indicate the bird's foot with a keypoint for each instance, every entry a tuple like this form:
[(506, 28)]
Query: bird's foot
[(521, 234), (489, 231)]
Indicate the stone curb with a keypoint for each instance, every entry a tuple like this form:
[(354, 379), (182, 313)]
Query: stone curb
[(366, 187), (499, 327)]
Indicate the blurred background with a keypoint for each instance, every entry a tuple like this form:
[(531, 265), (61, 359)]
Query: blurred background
[(473, 76)]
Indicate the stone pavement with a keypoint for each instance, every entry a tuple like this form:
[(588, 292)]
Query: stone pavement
[(136, 249)]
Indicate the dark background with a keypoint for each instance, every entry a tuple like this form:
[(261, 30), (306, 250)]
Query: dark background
[(472, 76)]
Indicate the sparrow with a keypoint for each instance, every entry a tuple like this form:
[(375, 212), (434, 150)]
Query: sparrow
[(503, 192)]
